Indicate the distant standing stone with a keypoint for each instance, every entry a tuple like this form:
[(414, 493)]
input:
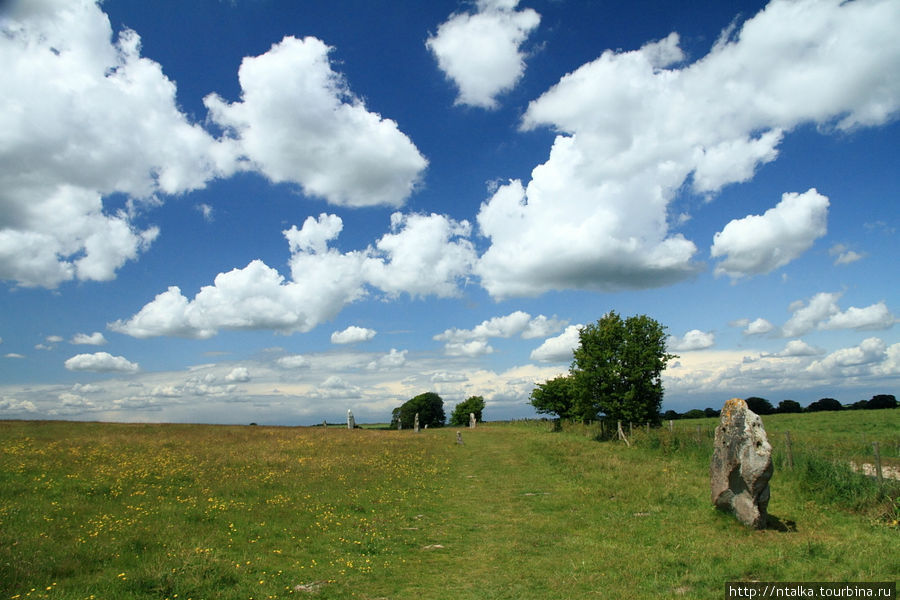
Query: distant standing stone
[(459, 437), (416, 424), (471, 420), (351, 422), (741, 465)]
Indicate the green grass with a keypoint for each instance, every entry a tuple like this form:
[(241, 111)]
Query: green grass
[(151, 511)]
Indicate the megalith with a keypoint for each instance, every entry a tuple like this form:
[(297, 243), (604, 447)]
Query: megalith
[(471, 420), (351, 422), (741, 465), (416, 424)]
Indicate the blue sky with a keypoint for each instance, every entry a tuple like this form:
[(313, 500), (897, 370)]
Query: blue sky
[(277, 211)]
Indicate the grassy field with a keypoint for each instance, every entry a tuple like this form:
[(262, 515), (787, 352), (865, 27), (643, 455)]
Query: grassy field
[(109, 511)]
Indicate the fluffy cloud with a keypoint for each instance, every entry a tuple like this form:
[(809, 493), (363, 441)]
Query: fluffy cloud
[(844, 255), (758, 326), (352, 335), (634, 126), (875, 316), (822, 312), (558, 349), (101, 362), (798, 348), (392, 360), (82, 117), (692, 340), (849, 360), (294, 361), (481, 52), (473, 342), (421, 257), (238, 375), (297, 121), (94, 339), (759, 244)]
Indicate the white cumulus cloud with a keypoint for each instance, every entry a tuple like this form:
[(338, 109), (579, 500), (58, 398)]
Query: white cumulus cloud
[(472, 342), (93, 339), (560, 348), (298, 122), (481, 52), (323, 280), (101, 362), (758, 326), (294, 361), (238, 375), (692, 340), (352, 335), (84, 115), (822, 312), (759, 244), (633, 126)]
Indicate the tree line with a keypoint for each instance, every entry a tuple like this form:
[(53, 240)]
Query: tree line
[(761, 406)]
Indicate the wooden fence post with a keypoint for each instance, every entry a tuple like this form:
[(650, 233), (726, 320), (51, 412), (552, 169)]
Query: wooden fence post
[(878, 464), (790, 452), (622, 435)]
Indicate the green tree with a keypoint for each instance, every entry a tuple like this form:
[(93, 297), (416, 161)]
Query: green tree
[(556, 397), (430, 407), (789, 406), (883, 401), (760, 406), (618, 368), (824, 404), (472, 404)]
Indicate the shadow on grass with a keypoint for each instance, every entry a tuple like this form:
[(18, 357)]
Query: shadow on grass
[(773, 523)]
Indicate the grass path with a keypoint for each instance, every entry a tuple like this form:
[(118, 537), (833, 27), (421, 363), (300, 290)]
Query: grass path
[(528, 514)]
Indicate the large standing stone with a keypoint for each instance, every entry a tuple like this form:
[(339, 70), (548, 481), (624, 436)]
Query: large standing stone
[(741, 465), (471, 420), (416, 424), (351, 422)]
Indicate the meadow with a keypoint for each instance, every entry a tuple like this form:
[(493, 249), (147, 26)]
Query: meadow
[(107, 511)]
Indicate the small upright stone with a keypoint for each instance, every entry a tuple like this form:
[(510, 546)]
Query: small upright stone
[(471, 420), (459, 437), (351, 422), (741, 465), (416, 424)]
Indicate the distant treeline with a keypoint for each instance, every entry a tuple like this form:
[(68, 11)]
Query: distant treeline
[(761, 406)]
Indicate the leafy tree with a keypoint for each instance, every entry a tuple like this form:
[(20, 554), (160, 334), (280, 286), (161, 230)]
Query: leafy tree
[(789, 406), (824, 404), (860, 405), (760, 406), (694, 413), (883, 401), (671, 415), (711, 412), (617, 369), (473, 404), (430, 407), (555, 397)]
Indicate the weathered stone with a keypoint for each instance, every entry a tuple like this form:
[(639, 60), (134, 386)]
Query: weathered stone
[(351, 422), (471, 420), (741, 465), (416, 424), (459, 437)]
